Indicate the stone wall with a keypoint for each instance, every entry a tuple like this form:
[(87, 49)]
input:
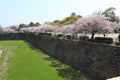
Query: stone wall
[(97, 60), (11, 36)]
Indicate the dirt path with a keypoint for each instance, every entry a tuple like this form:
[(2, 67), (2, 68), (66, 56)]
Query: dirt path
[(4, 65), (1, 53)]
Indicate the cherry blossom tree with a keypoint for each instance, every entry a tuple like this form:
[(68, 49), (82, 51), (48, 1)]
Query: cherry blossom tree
[(28, 30), (91, 24), (67, 29), (40, 29), (95, 24), (8, 30), (44, 28)]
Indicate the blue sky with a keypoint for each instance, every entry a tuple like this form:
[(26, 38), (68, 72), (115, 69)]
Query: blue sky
[(14, 12)]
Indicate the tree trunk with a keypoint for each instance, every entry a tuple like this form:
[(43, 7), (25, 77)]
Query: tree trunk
[(76, 36), (92, 37), (104, 35)]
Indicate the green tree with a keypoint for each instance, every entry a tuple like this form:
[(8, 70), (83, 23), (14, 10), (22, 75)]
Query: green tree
[(31, 24), (110, 12), (69, 20), (37, 24), (22, 25), (73, 14), (66, 21), (1, 29)]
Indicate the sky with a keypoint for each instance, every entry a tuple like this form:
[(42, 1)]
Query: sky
[(15, 12)]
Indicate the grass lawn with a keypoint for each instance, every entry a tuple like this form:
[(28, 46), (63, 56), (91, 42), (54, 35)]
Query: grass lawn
[(22, 61)]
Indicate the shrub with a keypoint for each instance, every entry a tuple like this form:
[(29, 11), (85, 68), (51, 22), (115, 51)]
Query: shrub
[(48, 34), (117, 43), (59, 35), (68, 36), (104, 40), (85, 38)]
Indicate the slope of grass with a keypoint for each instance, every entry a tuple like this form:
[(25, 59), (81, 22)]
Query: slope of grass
[(28, 63)]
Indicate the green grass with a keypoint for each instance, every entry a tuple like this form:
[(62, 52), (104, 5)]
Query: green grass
[(25, 62)]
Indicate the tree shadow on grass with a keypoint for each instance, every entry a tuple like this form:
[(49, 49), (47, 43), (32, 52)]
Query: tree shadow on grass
[(33, 47), (62, 69), (66, 71)]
